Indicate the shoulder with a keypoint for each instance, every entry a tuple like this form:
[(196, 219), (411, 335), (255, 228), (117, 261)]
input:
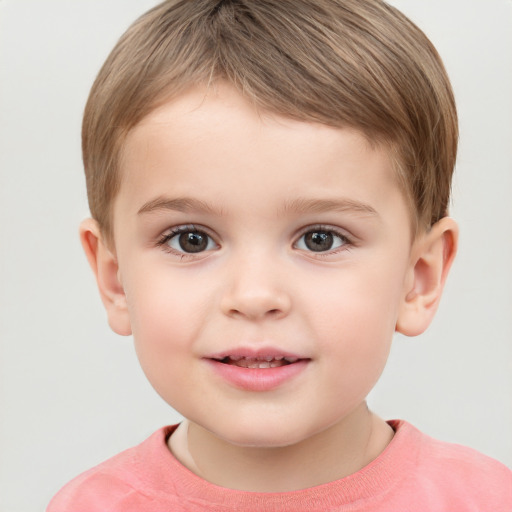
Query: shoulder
[(461, 462), (459, 475), (118, 484)]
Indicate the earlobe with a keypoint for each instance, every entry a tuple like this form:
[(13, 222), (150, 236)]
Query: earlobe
[(432, 255), (105, 267)]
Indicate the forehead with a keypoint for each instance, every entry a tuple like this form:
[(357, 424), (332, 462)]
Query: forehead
[(214, 145), (221, 113)]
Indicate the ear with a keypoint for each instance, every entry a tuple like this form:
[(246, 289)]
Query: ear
[(432, 255), (104, 265)]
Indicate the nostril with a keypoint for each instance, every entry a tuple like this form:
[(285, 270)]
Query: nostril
[(255, 302)]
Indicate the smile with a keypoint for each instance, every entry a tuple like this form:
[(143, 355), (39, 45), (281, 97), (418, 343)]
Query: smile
[(258, 362), (263, 370)]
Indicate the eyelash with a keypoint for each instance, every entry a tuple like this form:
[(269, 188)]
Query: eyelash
[(168, 236), (163, 241), (346, 245)]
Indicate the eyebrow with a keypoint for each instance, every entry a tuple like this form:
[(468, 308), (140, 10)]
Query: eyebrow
[(303, 205), (297, 206), (180, 204)]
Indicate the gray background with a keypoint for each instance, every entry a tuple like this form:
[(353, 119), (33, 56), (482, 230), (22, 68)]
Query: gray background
[(71, 392)]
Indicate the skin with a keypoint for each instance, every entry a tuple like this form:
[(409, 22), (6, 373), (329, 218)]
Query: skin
[(254, 184)]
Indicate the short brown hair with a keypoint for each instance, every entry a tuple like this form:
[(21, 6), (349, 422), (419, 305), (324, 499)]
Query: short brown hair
[(356, 63)]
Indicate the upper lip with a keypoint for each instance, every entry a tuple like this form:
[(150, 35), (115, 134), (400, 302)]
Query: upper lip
[(263, 353)]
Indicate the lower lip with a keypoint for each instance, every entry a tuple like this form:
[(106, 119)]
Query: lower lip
[(258, 379)]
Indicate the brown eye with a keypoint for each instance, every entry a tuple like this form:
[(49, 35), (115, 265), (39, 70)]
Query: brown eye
[(193, 242), (321, 240), (189, 241)]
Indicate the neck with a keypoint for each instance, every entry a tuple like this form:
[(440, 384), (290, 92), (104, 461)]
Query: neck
[(332, 454)]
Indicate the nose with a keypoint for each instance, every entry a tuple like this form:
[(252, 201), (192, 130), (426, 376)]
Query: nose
[(255, 291)]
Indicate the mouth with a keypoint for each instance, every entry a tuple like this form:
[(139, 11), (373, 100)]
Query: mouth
[(257, 362), (257, 370)]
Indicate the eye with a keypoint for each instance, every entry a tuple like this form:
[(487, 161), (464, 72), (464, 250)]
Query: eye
[(321, 240), (188, 240)]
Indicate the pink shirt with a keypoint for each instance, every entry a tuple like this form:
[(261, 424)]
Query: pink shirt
[(414, 473)]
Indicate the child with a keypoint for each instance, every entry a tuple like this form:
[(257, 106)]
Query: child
[(269, 183)]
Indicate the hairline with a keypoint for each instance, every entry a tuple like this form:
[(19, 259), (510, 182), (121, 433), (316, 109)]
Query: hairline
[(390, 147)]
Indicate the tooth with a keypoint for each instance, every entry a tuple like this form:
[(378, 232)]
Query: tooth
[(291, 359), (236, 358), (269, 358), (264, 365)]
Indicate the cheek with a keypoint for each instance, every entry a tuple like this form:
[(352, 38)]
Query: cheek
[(164, 318), (158, 300), (356, 318), (364, 298)]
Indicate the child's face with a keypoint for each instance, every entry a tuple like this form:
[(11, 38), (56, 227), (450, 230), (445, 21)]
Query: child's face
[(244, 235)]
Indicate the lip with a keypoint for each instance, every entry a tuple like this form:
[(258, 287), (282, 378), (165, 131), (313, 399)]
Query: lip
[(257, 379), (259, 353)]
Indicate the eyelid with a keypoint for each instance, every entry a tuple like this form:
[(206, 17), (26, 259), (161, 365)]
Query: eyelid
[(170, 233), (349, 240)]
